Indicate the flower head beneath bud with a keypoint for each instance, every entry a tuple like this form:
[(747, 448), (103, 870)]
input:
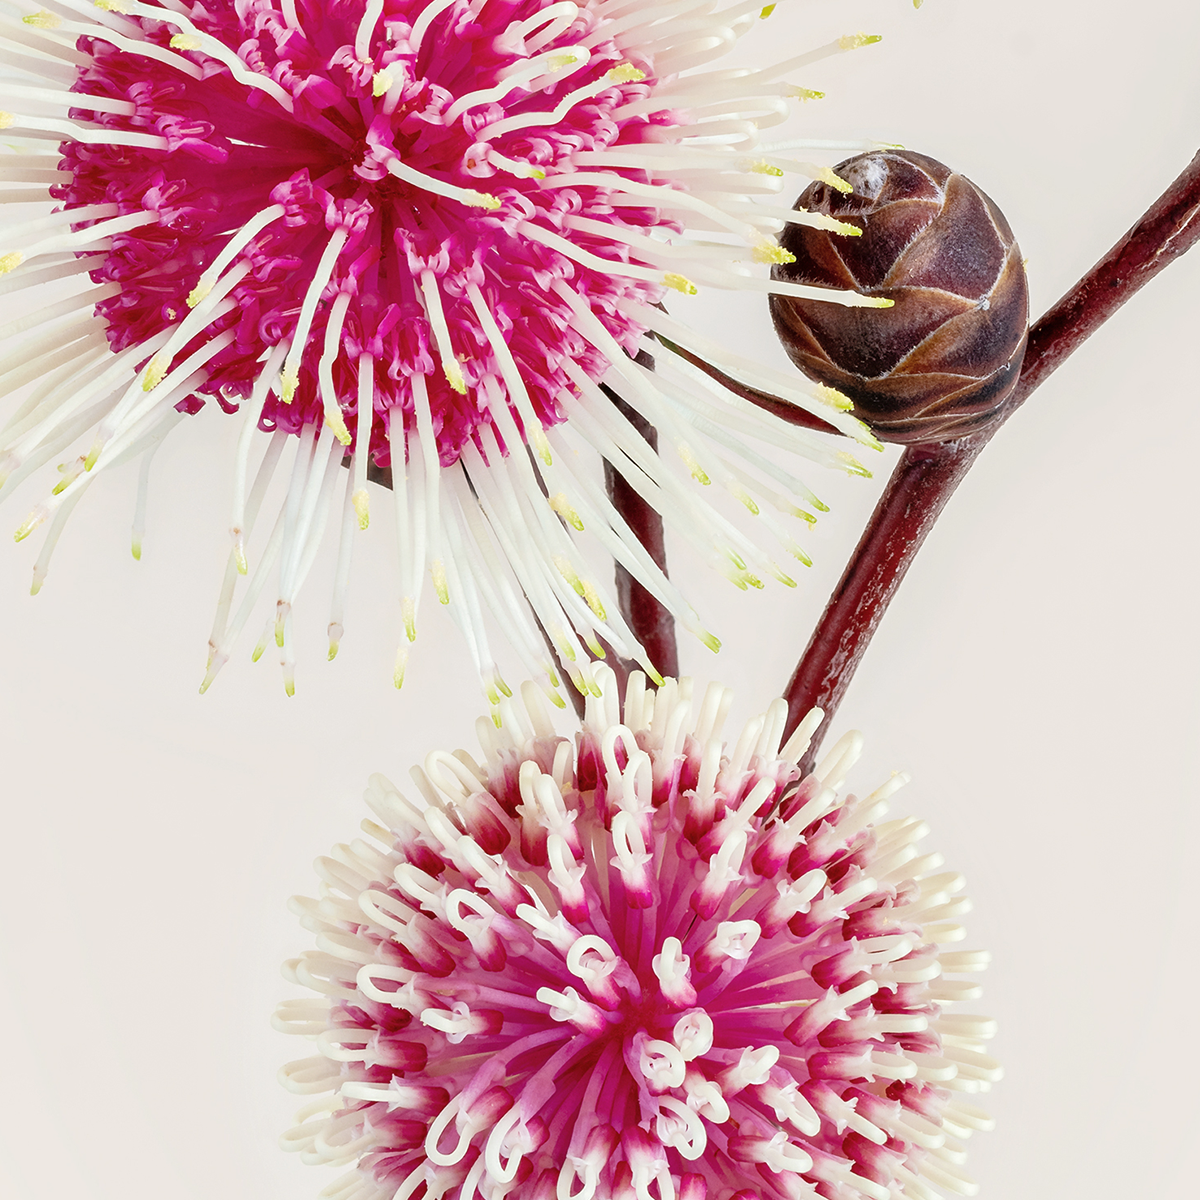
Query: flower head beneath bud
[(411, 238), (639, 963)]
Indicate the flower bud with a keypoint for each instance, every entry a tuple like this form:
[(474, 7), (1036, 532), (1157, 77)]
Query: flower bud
[(940, 363)]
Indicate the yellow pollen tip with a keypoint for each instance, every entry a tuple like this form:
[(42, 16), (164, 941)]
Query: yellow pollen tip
[(536, 173), (408, 614), (10, 262), (484, 200), (381, 83), (6, 119), (766, 12), (401, 664), (541, 445), (762, 167), (185, 41), (680, 283), (805, 94), (454, 377), (832, 397), (156, 371), (94, 453), (593, 602), (625, 73), (333, 649), (558, 61), (438, 571), (110, 6), (30, 523), (43, 20), (852, 464), (70, 473), (698, 472), (362, 506), (711, 641), (563, 567), (561, 505), (279, 633), (825, 175), (198, 293), (239, 558), (337, 423), (878, 302), (772, 252), (136, 548), (290, 381), (844, 229), (852, 41)]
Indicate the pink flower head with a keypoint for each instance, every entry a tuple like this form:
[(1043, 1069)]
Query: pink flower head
[(410, 236), (639, 963)]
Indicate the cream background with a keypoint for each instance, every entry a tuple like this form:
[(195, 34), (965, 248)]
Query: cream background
[(1037, 675)]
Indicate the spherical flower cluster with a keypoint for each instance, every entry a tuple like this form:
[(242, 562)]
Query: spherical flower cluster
[(417, 235), (642, 964)]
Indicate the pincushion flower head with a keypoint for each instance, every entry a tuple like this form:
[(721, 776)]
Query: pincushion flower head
[(642, 964), (408, 235)]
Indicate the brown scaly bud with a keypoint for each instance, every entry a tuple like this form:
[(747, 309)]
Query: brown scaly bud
[(941, 362)]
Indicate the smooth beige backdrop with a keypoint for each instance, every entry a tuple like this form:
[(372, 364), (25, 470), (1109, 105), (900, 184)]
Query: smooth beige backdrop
[(1037, 675)]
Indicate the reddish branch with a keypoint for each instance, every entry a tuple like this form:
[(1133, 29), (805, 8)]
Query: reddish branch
[(653, 626), (925, 476)]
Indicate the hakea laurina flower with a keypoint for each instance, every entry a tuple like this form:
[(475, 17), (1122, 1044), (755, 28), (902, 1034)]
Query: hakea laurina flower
[(417, 233), (640, 964)]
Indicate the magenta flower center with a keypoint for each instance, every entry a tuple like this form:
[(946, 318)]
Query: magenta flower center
[(378, 193)]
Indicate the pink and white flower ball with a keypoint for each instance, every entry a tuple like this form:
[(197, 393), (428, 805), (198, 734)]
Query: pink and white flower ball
[(639, 962)]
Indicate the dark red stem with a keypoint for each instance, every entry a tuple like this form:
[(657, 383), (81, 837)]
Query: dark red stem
[(925, 476), (653, 626)]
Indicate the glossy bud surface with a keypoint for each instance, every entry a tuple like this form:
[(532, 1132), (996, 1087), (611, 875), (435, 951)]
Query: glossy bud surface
[(940, 363)]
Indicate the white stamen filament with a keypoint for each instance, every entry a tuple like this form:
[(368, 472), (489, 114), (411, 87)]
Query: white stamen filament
[(244, 519), (80, 239), (552, 21), (441, 331), (693, 1032), (236, 244), (214, 48), (544, 69), (661, 1065), (267, 380), (39, 35), (549, 119), (366, 30), (330, 352), (362, 436), (426, 18), (308, 310), (81, 131), (467, 196), (210, 309), (65, 99)]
